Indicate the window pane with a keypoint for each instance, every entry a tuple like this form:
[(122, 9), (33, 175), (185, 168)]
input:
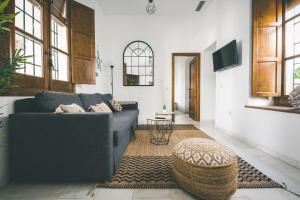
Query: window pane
[(59, 35), (29, 49), (37, 13), (292, 74), (21, 70), (19, 19), (20, 42), (129, 70), (20, 4), (28, 8), (135, 70), (292, 38), (127, 61), (37, 29), (135, 61), (149, 80), (37, 54), (142, 80), (28, 24), (142, 70), (38, 71), (60, 65), (30, 13), (29, 69), (149, 71)]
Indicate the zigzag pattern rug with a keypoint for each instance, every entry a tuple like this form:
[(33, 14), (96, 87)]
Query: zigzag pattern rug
[(145, 165)]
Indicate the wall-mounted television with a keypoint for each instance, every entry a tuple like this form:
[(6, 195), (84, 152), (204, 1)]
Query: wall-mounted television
[(226, 57)]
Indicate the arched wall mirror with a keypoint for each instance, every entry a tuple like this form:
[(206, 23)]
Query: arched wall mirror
[(138, 64)]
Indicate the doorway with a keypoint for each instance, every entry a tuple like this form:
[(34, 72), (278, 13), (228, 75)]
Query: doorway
[(186, 84)]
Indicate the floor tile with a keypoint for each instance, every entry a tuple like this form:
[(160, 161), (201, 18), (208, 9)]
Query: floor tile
[(114, 194)]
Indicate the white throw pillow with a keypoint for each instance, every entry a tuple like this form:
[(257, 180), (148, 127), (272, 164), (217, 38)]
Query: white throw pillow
[(102, 107), (72, 108)]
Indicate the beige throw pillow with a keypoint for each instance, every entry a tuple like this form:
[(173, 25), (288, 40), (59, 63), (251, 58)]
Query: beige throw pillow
[(102, 107), (72, 108)]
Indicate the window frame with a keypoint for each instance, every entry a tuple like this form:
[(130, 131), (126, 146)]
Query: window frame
[(283, 99), (28, 85), (284, 58), (59, 85)]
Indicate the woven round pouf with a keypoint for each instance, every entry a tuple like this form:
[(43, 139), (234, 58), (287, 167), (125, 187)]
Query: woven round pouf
[(205, 168)]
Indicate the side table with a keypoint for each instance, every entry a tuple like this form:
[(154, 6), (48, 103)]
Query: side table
[(160, 130)]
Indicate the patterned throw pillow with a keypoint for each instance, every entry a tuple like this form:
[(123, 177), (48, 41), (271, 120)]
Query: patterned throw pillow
[(102, 107), (72, 108), (115, 105)]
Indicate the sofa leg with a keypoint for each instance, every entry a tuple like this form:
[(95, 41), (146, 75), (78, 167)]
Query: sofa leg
[(132, 134)]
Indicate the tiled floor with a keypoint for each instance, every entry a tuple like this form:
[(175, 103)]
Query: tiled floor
[(277, 170)]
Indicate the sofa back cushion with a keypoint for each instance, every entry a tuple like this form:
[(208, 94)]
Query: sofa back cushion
[(92, 99), (49, 101)]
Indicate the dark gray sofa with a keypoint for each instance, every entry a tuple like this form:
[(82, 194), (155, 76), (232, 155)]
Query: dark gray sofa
[(44, 146)]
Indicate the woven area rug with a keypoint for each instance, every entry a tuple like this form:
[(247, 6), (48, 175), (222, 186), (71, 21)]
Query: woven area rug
[(145, 165), (176, 127)]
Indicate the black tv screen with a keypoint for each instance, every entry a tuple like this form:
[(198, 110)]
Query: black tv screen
[(226, 57)]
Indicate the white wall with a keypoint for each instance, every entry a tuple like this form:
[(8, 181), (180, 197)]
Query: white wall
[(181, 82), (275, 132), (165, 35), (208, 87)]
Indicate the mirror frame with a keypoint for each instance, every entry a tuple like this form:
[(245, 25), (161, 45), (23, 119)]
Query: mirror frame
[(124, 62)]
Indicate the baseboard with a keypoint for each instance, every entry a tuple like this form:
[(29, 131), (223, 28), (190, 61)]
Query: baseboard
[(3, 181), (283, 158)]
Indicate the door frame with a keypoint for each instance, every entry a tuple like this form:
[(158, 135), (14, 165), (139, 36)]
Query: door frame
[(198, 69)]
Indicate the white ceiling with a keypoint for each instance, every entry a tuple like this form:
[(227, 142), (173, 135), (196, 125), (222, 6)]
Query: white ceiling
[(138, 7)]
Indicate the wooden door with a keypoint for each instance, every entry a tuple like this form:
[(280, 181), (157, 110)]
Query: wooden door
[(193, 89)]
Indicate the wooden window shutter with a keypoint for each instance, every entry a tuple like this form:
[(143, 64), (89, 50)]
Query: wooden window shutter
[(83, 44), (267, 48)]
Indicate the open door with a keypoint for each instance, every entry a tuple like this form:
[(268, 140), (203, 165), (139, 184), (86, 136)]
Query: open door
[(194, 90)]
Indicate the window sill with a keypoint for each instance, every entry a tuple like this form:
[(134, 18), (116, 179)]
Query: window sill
[(276, 108)]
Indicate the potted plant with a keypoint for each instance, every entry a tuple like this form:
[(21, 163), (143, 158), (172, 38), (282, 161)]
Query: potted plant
[(8, 64)]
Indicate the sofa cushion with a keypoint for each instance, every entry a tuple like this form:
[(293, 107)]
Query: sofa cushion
[(72, 108), (90, 99), (49, 101), (102, 107)]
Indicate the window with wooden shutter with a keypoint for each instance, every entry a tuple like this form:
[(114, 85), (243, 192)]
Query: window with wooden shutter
[(267, 48), (63, 53), (83, 44)]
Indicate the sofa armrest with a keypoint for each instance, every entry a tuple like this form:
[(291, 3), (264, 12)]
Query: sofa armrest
[(129, 105), (61, 147)]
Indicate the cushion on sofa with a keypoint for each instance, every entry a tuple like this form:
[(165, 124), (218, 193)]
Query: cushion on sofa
[(72, 108), (49, 101), (102, 107), (91, 99)]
